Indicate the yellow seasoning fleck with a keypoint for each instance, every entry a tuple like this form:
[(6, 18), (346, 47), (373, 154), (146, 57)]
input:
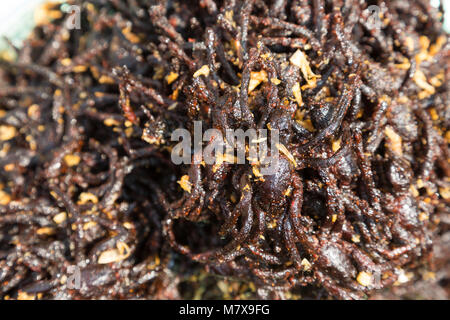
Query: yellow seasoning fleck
[(60, 218), (185, 184), (89, 225), (109, 122), (203, 71), (22, 295), (72, 160), (9, 167), (365, 278), (296, 91), (106, 80), (109, 256), (85, 197), (256, 77), (45, 231), (7, 132), (306, 264), (423, 216), (79, 69), (4, 198), (336, 144), (299, 59), (171, 77), (286, 152), (444, 192), (256, 172), (421, 81), (394, 140), (275, 81), (130, 35), (66, 62)]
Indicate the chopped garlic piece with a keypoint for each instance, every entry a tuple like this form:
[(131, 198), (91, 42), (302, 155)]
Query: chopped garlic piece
[(297, 94), (79, 69), (7, 132), (256, 77), (226, 157), (85, 197), (421, 80), (60, 218), (109, 256), (394, 140), (89, 225), (256, 172), (106, 80), (4, 198), (445, 192), (133, 38), (275, 81), (72, 160), (335, 145), (121, 252), (365, 278), (403, 277), (185, 184), (286, 152), (22, 295), (66, 62), (109, 122), (299, 59), (306, 264), (45, 231), (203, 71), (171, 77), (307, 124)]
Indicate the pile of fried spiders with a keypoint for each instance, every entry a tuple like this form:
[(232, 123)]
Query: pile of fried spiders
[(358, 205)]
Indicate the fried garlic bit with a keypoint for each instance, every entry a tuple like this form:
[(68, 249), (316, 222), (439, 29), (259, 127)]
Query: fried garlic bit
[(7, 132), (185, 184), (275, 81), (72, 160), (306, 264), (394, 141), (121, 252), (86, 197), (133, 38), (203, 71), (286, 152), (421, 80), (299, 59), (225, 158), (256, 77), (4, 198), (297, 94), (60, 218), (171, 77), (365, 278)]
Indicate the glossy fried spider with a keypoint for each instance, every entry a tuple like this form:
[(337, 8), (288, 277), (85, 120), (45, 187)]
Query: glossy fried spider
[(359, 197)]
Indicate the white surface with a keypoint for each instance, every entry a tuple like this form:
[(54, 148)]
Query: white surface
[(16, 18)]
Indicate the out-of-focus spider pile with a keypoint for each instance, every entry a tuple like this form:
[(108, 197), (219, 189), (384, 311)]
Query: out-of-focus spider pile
[(359, 198)]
